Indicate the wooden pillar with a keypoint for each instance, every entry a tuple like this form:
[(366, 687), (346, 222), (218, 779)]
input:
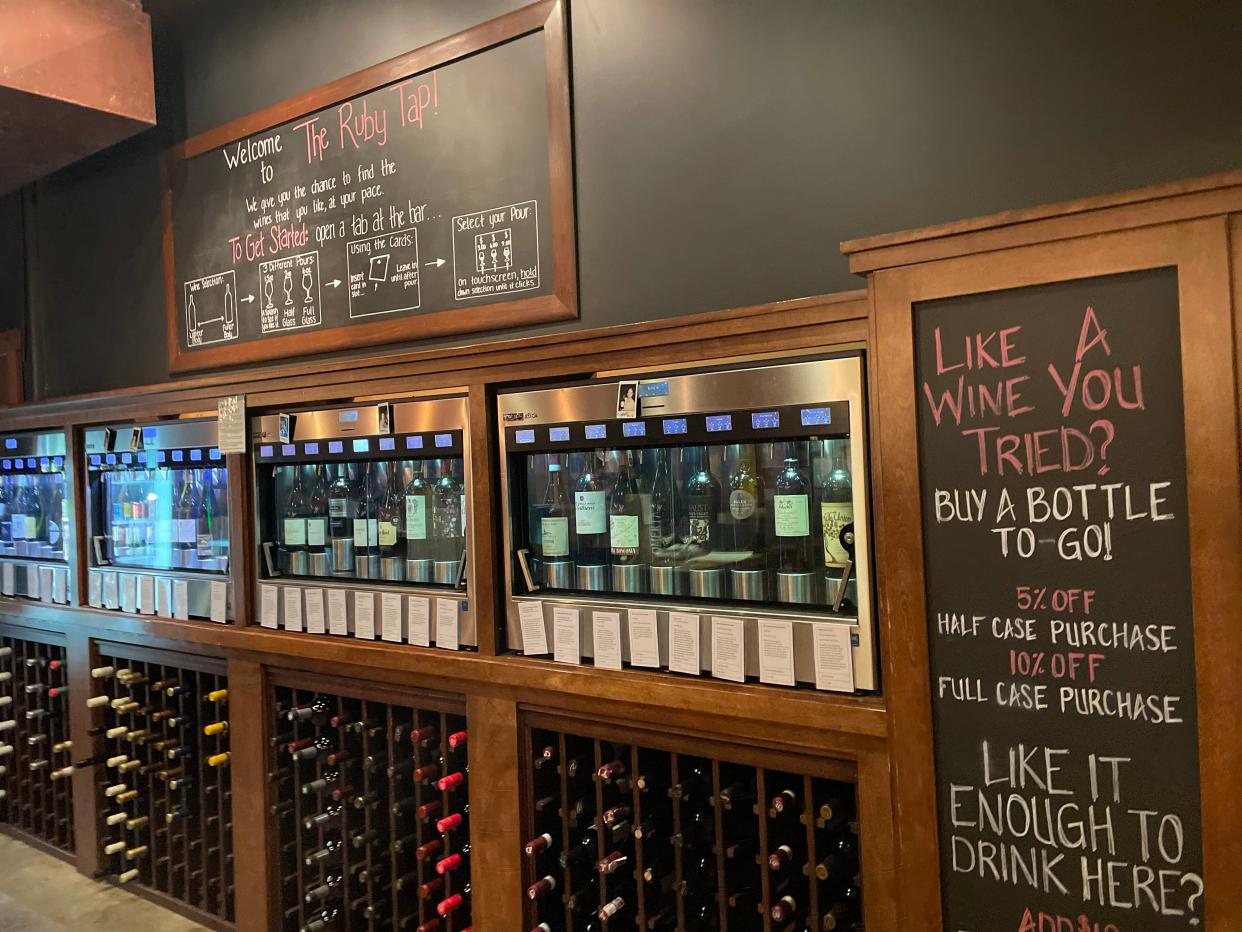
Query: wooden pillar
[(255, 882), (77, 543), (495, 826), (483, 502), (82, 656), (243, 566)]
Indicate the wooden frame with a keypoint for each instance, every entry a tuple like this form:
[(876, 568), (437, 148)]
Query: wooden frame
[(1183, 226), (547, 16)]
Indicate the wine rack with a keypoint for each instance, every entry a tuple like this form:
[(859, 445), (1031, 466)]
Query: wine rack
[(624, 836), (163, 777), (372, 803), (36, 794)]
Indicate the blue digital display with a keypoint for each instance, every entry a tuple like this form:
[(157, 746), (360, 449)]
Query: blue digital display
[(347, 417), (8, 464), (388, 443), (524, 436), (310, 449), (336, 446), (214, 454), (148, 434), (634, 428), (558, 434), (674, 425), (178, 455), (719, 422), (58, 461), (444, 440), (10, 443), (362, 445), (413, 443), (652, 389), (765, 420), (111, 459), (814, 417), (125, 458), (142, 457), (30, 463), (163, 456), (286, 449), (264, 451), (196, 456), (597, 432), (43, 463)]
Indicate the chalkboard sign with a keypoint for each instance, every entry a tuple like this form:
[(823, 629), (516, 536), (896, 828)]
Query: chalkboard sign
[(1053, 476), (428, 195)]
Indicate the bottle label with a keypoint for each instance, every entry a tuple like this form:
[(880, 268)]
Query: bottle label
[(700, 523), (660, 530), (316, 532), (360, 532), (590, 516), (187, 530), (203, 546), (836, 515), (741, 504), (623, 534), (372, 532), (19, 527), (388, 533), (415, 517), (555, 537), (792, 515), (338, 507), (295, 532)]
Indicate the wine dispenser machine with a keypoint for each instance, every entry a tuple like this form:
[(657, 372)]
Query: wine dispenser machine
[(738, 491)]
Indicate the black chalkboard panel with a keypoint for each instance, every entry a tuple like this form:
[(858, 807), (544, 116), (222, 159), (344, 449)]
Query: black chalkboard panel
[(1053, 475), (433, 203)]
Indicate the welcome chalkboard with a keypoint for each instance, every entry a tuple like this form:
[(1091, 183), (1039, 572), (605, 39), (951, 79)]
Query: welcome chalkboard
[(438, 200), (1053, 474)]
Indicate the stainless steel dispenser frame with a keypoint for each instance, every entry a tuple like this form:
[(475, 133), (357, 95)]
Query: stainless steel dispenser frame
[(164, 435), (422, 415), (32, 570), (746, 385)]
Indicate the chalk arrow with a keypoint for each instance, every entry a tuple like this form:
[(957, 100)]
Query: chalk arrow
[(247, 299), (437, 263), (335, 283)]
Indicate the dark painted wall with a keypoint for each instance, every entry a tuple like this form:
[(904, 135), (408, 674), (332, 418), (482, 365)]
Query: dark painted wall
[(724, 147)]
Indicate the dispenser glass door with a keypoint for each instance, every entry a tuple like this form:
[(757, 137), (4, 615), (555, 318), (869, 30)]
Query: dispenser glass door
[(366, 519), (32, 507), (151, 511), (693, 508)]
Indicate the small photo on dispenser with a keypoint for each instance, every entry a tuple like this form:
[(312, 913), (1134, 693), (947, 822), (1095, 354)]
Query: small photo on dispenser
[(627, 400)]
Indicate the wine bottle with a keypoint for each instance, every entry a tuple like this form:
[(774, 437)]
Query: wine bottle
[(836, 506), (318, 511), (538, 845), (791, 517), (662, 532), (554, 516), (448, 532), (342, 507), (625, 532), (702, 505), (391, 511), (590, 513), (743, 520), (417, 512)]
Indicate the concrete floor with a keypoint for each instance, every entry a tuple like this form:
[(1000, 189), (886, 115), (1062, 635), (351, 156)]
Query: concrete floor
[(39, 893)]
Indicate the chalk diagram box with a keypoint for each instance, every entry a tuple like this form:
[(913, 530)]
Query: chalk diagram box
[(496, 251), (383, 273), (290, 297), (211, 309)]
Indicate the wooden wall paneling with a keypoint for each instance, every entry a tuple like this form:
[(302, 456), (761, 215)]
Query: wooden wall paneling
[(1235, 270), (1199, 250), (790, 323), (82, 656), (256, 880), (243, 555), (485, 558), (12, 368), (77, 552), (495, 823)]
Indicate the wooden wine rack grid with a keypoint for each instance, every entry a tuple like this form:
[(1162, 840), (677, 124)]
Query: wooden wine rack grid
[(38, 796), (694, 863), (392, 881), (174, 835)]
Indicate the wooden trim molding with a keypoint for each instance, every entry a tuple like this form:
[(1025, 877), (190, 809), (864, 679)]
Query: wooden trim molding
[(547, 16)]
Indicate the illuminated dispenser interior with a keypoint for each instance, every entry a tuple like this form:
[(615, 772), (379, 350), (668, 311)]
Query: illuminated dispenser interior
[(369, 501), (158, 506), (34, 517), (739, 491)]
